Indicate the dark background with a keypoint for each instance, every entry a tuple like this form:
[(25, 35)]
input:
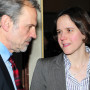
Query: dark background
[(57, 5)]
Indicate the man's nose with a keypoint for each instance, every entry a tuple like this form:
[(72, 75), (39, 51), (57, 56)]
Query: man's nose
[(33, 33)]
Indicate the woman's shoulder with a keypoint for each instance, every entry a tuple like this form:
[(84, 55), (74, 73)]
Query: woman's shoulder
[(51, 60)]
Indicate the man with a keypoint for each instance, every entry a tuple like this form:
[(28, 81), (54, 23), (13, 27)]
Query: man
[(18, 20)]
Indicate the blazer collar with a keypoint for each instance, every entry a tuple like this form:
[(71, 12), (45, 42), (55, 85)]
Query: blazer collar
[(60, 60), (59, 73)]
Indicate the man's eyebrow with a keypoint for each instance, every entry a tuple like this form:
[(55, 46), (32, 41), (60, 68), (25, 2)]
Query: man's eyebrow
[(32, 25)]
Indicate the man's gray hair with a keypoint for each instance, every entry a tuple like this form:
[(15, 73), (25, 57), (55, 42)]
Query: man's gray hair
[(13, 8)]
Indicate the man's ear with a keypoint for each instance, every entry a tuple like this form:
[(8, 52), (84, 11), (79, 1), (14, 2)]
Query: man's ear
[(5, 22)]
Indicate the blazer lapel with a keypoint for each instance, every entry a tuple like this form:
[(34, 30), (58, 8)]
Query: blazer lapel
[(6, 74), (59, 74)]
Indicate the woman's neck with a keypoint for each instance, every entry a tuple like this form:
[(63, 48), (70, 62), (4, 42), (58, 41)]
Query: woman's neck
[(79, 58)]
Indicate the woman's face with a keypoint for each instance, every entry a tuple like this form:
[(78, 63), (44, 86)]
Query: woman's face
[(69, 36)]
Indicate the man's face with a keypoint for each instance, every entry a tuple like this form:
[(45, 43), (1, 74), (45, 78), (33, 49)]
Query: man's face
[(24, 30)]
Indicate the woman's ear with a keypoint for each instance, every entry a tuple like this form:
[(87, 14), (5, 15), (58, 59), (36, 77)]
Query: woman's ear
[(5, 22), (84, 38)]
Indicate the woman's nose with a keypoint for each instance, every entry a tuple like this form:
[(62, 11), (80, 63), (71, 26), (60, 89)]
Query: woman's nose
[(62, 36)]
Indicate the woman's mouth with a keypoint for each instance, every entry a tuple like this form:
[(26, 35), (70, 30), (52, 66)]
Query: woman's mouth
[(66, 45)]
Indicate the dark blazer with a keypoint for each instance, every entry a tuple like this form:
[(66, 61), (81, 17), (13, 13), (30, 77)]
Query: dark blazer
[(49, 74), (5, 80)]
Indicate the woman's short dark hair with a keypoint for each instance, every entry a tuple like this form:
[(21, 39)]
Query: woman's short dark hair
[(81, 19)]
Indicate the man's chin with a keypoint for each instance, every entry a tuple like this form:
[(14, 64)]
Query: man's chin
[(24, 50)]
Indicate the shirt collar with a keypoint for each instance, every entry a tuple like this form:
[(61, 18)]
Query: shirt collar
[(4, 52)]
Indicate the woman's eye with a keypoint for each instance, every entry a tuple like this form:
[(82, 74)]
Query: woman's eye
[(58, 32), (69, 30)]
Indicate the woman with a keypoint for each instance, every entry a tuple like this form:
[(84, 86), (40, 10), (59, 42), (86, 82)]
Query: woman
[(70, 69)]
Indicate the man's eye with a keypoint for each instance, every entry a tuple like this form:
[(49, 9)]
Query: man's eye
[(30, 27)]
